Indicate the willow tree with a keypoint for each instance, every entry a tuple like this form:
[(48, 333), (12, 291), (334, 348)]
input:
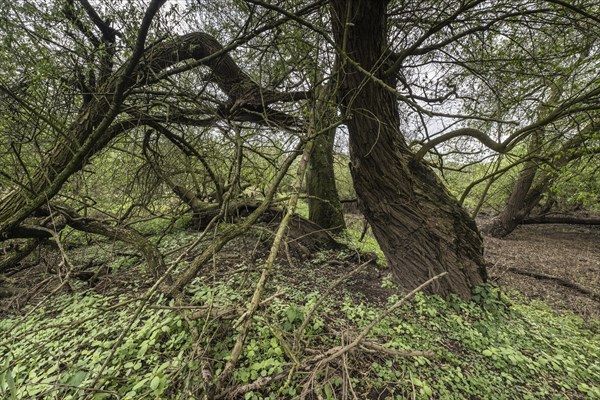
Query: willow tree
[(403, 59), (140, 76), (551, 147), (420, 227)]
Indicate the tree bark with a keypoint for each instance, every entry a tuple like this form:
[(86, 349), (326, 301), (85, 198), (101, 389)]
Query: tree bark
[(324, 206), (420, 227), (533, 181), (522, 198)]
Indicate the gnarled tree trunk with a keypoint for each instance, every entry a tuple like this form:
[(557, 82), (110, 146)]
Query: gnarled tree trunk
[(533, 181), (420, 227)]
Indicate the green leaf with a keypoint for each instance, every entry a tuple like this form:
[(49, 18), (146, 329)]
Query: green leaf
[(143, 349), (155, 383), (328, 392), (10, 383), (417, 382), (139, 384), (77, 378)]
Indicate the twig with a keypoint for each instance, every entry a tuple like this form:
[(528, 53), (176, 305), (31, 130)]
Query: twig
[(277, 241), (96, 383), (376, 347), (262, 304), (322, 298), (376, 321)]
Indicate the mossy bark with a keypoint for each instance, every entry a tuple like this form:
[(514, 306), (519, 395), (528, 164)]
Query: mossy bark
[(324, 206), (421, 228)]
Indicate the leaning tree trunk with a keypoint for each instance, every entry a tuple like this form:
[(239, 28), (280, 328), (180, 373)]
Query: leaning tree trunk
[(522, 198), (420, 227), (324, 206), (534, 181), (526, 195)]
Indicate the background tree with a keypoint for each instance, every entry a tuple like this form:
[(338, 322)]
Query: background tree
[(543, 109), (324, 206)]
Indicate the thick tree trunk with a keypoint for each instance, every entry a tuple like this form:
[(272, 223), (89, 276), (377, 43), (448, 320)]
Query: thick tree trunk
[(420, 227), (526, 195), (324, 206), (521, 202)]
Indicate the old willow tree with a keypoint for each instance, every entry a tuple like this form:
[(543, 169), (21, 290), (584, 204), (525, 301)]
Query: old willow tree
[(383, 48), (160, 70), (420, 227), (550, 148)]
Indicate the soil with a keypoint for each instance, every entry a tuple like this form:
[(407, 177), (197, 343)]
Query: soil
[(570, 253)]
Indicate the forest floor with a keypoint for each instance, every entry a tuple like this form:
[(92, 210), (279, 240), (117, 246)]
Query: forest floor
[(503, 346), (569, 253), (555, 263)]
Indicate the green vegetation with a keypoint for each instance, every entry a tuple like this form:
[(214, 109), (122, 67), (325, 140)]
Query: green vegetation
[(152, 155), (497, 347)]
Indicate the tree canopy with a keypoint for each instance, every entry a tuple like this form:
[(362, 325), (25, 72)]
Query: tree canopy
[(178, 105)]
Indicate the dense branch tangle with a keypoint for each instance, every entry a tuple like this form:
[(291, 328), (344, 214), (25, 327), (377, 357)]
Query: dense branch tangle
[(430, 233), (365, 61), (93, 130)]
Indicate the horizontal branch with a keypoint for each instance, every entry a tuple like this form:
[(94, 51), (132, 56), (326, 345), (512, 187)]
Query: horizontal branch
[(563, 219), (558, 280), (472, 132)]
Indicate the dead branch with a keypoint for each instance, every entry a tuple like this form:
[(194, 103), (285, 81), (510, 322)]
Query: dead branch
[(562, 282), (277, 241), (311, 312), (12, 259), (563, 219)]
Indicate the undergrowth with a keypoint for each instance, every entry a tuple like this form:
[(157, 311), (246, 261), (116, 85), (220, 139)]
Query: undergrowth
[(113, 345), (496, 348)]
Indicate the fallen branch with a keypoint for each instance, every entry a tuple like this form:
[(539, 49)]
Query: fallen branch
[(323, 296), (558, 280), (377, 320), (563, 219), (367, 346), (11, 260), (374, 347), (260, 286)]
